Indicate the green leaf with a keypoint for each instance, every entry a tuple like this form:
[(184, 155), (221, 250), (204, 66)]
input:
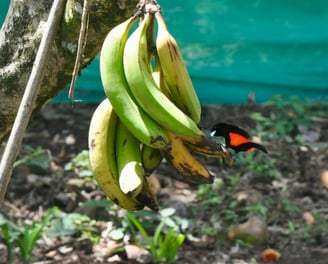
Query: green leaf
[(258, 117), (167, 212), (116, 234)]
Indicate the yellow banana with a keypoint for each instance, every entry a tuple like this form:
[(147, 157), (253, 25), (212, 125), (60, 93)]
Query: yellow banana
[(146, 92), (208, 147), (185, 163), (117, 89), (151, 159), (101, 141), (128, 158), (175, 71)]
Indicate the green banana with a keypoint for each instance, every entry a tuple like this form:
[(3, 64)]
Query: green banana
[(128, 160), (158, 77), (101, 141), (146, 92), (151, 159), (175, 71), (117, 90)]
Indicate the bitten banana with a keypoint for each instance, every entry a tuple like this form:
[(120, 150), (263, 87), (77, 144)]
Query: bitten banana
[(145, 90), (102, 155), (208, 147), (128, 158), (175, 72), (185, 163), (117, 89)]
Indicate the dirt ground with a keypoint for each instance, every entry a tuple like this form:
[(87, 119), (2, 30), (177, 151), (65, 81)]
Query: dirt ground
[(289, 181)]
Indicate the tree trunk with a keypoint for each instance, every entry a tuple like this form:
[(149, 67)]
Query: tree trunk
[(20, 37)]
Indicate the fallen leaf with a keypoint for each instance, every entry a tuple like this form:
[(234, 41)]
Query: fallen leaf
[(249, 197), (308, 218), (134, 252), (270, 254), (254, 231), (324, 178)]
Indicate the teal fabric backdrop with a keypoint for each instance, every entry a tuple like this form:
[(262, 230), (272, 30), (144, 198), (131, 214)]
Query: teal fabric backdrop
[(234, 47), (3, 9)]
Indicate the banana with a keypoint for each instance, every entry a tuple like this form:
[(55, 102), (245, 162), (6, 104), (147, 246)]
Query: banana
[(101, 141), (117, 89), (208, 147), (148, 196), (151, 159), (158, 77), (203, 144), (185, 163), (146, 92), (175, 71), (128, 159)]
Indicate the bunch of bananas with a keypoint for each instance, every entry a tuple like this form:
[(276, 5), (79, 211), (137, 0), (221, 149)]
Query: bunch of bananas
[(151, 112)]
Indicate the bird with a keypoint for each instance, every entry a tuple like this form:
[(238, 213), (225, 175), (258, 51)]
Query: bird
[(235, 138)]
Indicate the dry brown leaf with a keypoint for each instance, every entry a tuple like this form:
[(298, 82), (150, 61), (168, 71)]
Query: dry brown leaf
[(135, 252), (270, 254), (254, 231), (308, 218), (324, 178)]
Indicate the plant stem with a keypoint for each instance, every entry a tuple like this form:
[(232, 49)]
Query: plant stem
[(80, 47), (26, 106)]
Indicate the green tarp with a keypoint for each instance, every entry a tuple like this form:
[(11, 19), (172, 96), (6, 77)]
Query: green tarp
[(234, 47)]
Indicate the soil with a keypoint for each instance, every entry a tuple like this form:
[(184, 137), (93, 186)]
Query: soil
[(291, 184)]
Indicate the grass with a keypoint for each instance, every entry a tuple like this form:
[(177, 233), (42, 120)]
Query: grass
[(163, 244)]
